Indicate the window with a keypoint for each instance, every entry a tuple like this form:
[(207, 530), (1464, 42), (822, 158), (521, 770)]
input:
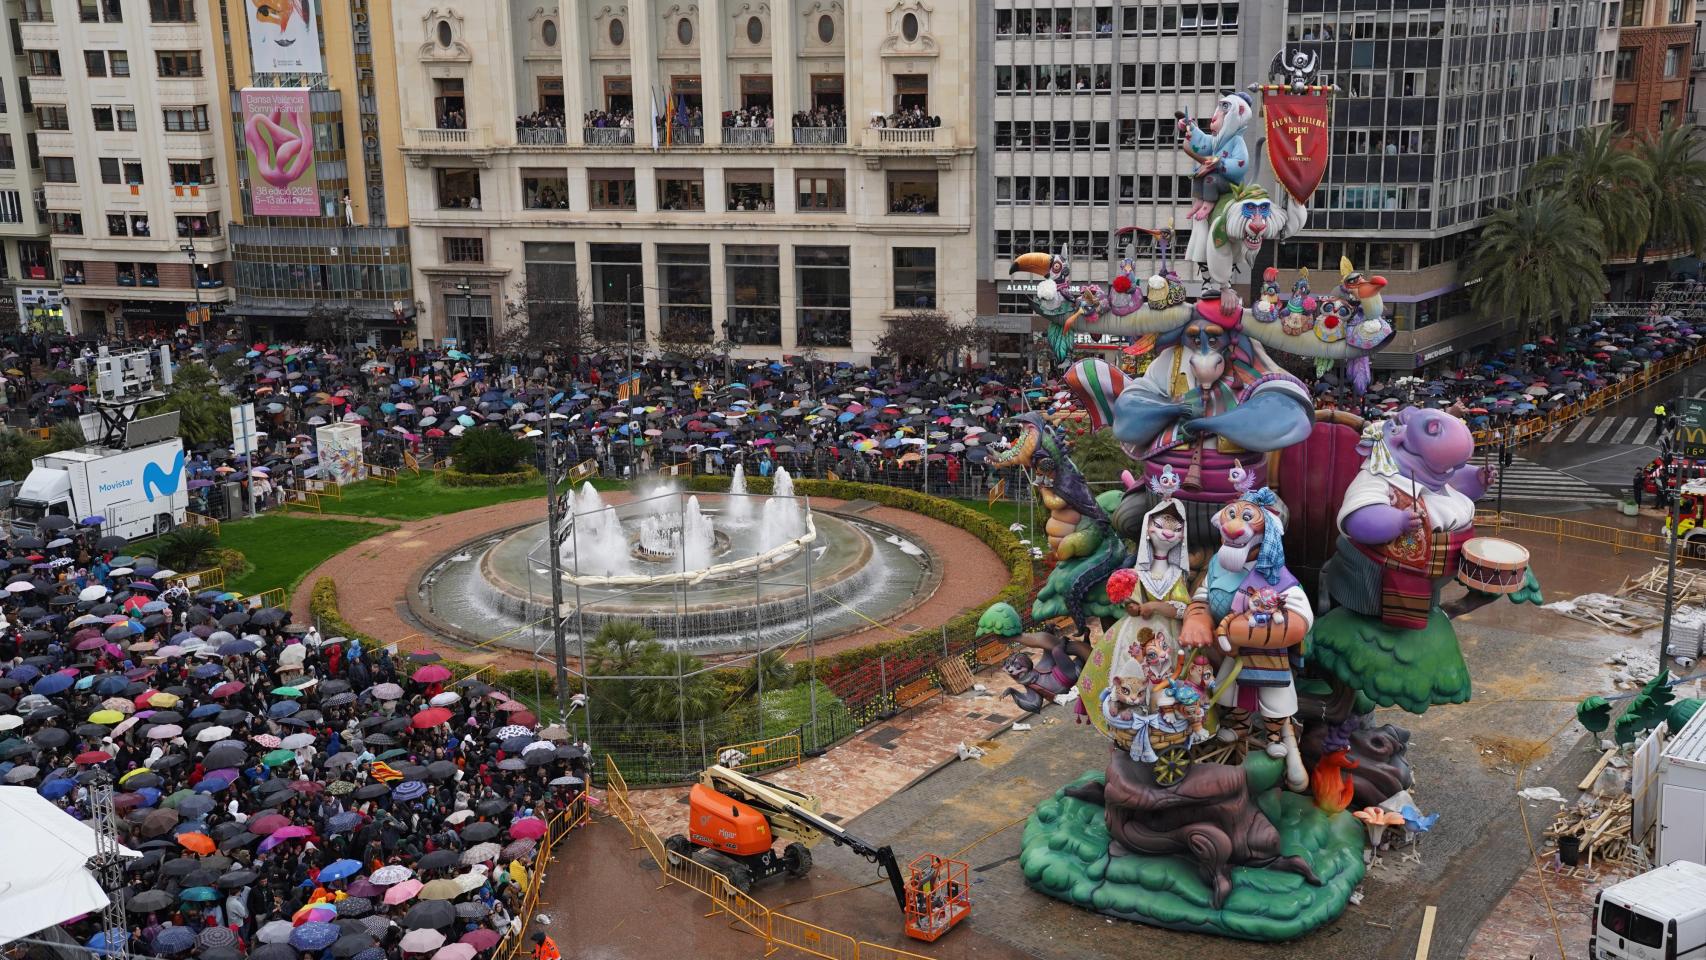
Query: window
[(448, 103), (7, 160), (618, 292), (110, 171), (915, 278), (611, 189), (139, 225), (458, 188), (754, 31), (684, 32), (822, 191), (909, 28), (618, 33), (52, 117), (1629, 925), (1625, 68), (754, 277), (172, 11), (179, 63), (119, 62), (464, 250), (684, 280), (1673, 60), (126, 118), (44, 63), (199, 225), (103, 118), (35, 258), (681, 190), (185, 119), (911, 90), (118, 225), (63, 222), (823, 278), (912, 192), (73, 271), (550, 280), (750, 190), (133, 172), (59, 170), (96, 62), (1632, 12), (544, 190), (826, 29)]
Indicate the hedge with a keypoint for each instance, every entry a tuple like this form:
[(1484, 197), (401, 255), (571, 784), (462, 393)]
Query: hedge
[(925, 645), (456, 478), (323, 606)]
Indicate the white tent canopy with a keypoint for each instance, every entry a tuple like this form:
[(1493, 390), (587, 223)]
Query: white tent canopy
[(43, 880)]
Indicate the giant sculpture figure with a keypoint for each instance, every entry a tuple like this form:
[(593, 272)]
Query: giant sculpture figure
[(1203, 628)]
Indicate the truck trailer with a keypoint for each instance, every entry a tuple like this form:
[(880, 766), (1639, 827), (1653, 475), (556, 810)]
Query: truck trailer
[(139, 492)]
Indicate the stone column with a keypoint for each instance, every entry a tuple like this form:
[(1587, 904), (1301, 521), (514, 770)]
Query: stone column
[(713, 68), (784, 68), (643, 67), (572, 26)]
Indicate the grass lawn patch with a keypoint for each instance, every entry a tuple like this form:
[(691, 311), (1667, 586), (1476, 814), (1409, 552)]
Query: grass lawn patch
[(282, 548), (417, 498), (1008, 513), (787, 710)]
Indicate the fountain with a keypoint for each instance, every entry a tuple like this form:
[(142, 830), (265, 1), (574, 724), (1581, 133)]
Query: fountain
[(738, 510), (707, 573)]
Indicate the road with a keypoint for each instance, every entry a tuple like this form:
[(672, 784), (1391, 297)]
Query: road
[(1590, 462)]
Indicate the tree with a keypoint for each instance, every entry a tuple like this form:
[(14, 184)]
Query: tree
[(333, 322), (623, 648), (204, 409), (17, 449), (686, 336), (1607, 179), (1099, 456), (927, 337), (490, 450), (1540, 254), (541, 322), (1676, 200)]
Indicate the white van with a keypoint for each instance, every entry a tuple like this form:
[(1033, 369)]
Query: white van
[(1659, 915)]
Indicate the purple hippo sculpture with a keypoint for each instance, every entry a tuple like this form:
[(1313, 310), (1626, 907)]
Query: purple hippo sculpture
[(1405, 517)]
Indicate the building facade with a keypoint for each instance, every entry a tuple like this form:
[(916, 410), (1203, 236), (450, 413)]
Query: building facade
[(126, 127), (319, 232), (31, 296), (1654, 63), (790, 176)]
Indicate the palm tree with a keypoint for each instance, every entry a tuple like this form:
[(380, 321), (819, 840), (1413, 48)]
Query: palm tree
[(1607, 179), (1542, 253), (1676, 198)]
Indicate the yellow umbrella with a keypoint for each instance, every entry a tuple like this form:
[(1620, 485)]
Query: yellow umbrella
[(139, 771), (165, 701), (106, 717)]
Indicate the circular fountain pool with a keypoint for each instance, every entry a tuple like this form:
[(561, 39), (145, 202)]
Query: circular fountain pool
[(708, 573)]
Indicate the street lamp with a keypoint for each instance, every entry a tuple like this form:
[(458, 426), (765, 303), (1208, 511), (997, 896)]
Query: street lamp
[(189, 250), (467, 290)]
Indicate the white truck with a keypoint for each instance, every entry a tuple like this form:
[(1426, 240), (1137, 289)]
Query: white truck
[(140, 491)]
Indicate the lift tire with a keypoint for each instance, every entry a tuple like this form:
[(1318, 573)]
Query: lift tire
[(679, 845), (798, 858), (740, 876)]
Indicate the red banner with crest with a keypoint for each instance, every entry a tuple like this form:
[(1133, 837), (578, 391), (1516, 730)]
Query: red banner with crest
[(1298, 143)]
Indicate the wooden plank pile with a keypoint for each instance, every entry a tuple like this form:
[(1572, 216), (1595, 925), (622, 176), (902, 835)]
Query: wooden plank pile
[(1601, 824), (1622, 614), (1649, 587)]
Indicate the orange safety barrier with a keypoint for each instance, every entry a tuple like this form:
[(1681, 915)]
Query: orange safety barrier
[(761, 754), (1563, 528), (877, 951), (810, 938)]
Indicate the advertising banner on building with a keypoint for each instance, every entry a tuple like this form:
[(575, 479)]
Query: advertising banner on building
[(278, 136), (283, 37), (1297, 141)]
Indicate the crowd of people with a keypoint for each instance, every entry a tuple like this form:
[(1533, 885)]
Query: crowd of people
[(541, 120), (755, 117), (905, 119), (821, 117), (599, 119), (289, 795)]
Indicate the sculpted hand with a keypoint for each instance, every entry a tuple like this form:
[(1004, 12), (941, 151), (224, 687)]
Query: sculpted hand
[(1197, 632)]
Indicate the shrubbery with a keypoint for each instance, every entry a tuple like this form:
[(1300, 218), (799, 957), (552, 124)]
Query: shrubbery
[(490, 451), (452, 477)]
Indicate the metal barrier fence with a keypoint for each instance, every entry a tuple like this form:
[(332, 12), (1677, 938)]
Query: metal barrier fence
[(275, 597), (556, 829), (1526, 430), (1564, 528), (660, 753), (775, 928), (193, 519), (763, 754), (213, 578)]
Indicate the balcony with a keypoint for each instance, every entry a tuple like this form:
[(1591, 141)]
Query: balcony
[(903, 138), (540, 136), (172, 35), (55, 142), (439, 140), (608, 136), (820, 136), (1699, 60), (40, 34), (184, 91), (49, 89), (682, 136), (748, 136)]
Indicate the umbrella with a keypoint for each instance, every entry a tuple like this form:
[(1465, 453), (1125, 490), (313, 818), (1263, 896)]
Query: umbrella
[(479, 853), (174, 940), (481, 939), (478, 832), (276, 931), (199, 894), (213, 734), (339, 869), (196, 843), (149, 900), (430, 914), (355, 907), (214, 937), (409, 790), (314, 936), (402, 892), (441, 889), (528, 828), (431, 717), (387, 875), (352, 944), (431, 673), (423, 940), (436, 860)]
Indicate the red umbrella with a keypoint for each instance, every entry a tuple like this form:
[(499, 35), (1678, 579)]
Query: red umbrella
[(92, 756), (309, 787), (527, 828), (481, 939), (431, 673), (524, 718), (93, 643), (512, 706), (266, 826), (227, 689), (431, 717)]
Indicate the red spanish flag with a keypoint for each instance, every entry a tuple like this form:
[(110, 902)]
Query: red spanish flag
[(1298, 141)]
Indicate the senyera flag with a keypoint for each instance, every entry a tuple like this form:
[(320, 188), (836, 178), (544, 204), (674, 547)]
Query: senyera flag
[(1297, 141)]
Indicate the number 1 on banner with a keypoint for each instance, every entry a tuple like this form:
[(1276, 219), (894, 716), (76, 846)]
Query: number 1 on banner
[(1298, 140)]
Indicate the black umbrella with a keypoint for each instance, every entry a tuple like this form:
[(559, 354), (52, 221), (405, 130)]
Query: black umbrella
[(273, 951), (220, 758), (431, 914), (479, 832), (371, 791), (236, 879), (149, 900), (51, 737), (491, 808), (440, 770), (438, 859), (351, 944)]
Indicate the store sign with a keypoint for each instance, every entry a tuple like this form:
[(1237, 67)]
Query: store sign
[(1691, 427), (41, 307), (1430, 356)]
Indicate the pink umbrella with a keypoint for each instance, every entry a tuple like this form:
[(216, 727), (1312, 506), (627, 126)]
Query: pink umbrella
[(527, 828), (402, 892), (266, 740), (455, 951), (431, 673)]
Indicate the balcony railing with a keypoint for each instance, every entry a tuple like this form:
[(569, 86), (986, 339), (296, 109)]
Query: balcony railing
[(684, 136), (540, 136), (438, 138), (748, 136), (820, 136), (919, 135), (608, 136), (1700, 60)]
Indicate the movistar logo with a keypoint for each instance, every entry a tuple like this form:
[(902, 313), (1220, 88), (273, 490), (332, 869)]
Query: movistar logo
[(164, 482)]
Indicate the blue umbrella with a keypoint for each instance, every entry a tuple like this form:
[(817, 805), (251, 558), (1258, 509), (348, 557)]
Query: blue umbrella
[(199, 895), (236, 648), (107, 940), (111, 686), (150, 795), (314, 936), (212, 785), (342, 823), (204, 672), (93, 521), (24, 674), (206, 709), (53, 683), (339, 869), (177, 939), (54, 789), (409, 790), (283, 708)]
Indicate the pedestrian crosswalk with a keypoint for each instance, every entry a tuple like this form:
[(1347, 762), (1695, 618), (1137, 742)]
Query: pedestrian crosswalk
[(1526, 480), (1618, 430)]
